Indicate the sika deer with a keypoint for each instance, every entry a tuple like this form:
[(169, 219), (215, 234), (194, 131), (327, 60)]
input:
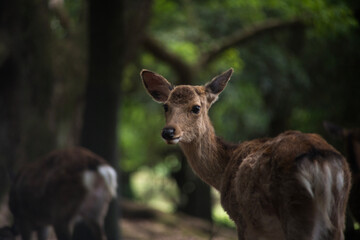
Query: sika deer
[(293, 186), (351, 137), (61, 189)]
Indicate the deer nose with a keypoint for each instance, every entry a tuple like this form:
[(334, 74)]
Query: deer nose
[(168, 133)]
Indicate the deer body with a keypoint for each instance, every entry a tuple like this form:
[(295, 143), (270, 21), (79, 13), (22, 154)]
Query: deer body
[(64, 187), (277, 192), (293, 186)]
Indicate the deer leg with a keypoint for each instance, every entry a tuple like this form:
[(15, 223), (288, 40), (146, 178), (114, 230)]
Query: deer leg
[(303, 221), (90, 230), (97, 230), (93, 211), (239, 227), (299, 219)]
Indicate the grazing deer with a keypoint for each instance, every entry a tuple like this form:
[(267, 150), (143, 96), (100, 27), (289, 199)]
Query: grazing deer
[(293, 186), (351, 137), (61, 189)]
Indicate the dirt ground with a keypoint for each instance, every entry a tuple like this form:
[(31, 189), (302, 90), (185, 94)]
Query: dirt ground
[(139, 222)]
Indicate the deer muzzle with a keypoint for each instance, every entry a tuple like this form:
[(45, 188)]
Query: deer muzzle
[(169, 135)]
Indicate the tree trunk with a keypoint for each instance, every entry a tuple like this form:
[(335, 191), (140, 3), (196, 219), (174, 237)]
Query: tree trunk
[(105, 48), (26, 84), (109, 51)]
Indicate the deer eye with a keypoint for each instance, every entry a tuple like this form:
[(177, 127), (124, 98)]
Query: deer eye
[(166, 107), (195, 109)]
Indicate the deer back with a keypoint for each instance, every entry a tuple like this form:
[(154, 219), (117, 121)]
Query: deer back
[(266, 176)]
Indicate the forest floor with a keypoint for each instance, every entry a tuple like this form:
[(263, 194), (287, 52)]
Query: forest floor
[(139, 222)]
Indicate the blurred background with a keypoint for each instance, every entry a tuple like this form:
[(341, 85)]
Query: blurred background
[(69, 75)]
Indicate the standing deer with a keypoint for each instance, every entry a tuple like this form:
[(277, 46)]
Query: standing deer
[(61, 189), (351, 138), (293, 186)]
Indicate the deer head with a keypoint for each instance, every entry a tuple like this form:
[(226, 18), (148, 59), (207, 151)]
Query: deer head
[(186, 107)]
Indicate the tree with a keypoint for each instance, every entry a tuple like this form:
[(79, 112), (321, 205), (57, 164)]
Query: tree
[(26, 84), (111, 44), (102, 91)]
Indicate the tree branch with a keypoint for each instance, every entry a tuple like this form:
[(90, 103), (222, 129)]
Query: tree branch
[(183, 70), (187, 72), (244, 35)]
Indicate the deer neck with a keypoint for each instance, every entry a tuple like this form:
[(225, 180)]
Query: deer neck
[(208, 156)]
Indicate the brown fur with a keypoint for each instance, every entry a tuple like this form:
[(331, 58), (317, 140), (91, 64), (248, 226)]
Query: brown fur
[(182, 95), (51, 191), (293, 186)]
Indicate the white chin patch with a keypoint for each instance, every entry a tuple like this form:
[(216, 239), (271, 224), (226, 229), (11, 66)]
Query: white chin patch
[(173, 141)]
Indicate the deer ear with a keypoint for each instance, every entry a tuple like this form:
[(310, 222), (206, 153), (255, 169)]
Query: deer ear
[(334, 130), (217, 85), (156, 85)]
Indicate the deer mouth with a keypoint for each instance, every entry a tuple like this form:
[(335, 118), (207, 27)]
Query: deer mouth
[(172, 141), (170, 135)]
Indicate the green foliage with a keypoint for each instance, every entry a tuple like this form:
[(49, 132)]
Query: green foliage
[(139, 133), (187, 50), (202, 21), (75, 9), (240, 113), (218, 213), (153, 186)]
